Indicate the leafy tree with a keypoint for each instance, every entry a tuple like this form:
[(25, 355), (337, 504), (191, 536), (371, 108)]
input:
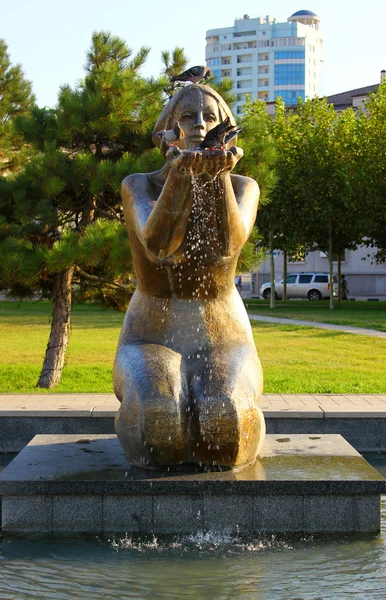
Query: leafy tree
[(323, 158), (15, 99), (64, 220), (315, 203), (370, 170), (259, 163), (306, 162)]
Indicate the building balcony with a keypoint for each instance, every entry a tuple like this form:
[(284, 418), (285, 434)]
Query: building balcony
[(244, 59), (244, 72)]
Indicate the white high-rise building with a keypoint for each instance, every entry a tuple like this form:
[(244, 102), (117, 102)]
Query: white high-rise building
[(267, 59)]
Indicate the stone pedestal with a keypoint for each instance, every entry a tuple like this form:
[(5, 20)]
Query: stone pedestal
[(302, 484)]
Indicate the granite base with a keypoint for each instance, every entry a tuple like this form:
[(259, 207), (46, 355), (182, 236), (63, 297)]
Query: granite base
[(301, 484)]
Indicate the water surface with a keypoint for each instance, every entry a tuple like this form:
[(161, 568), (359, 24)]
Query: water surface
[(213, 566)]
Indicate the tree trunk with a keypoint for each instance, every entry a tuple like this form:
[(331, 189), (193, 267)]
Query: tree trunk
[(60, 330), (330, 257), (339, 278), (272, 302), (284, 299)]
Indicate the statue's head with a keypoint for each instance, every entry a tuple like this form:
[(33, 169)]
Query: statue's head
[(198, 109)]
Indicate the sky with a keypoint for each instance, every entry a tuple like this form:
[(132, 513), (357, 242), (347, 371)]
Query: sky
[(50, 38)]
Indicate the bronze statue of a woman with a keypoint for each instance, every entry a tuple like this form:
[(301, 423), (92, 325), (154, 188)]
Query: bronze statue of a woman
[(187, 372)]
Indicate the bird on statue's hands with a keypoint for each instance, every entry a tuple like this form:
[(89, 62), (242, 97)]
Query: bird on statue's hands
[(216, 136), (230, 135), (170, 135)]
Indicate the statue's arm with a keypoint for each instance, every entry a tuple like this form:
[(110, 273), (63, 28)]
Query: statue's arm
[(235, 197), (158, 221), (159, 217), (237, 210)]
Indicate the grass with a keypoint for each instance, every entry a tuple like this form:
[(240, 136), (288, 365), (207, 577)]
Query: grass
[(371, 315), (295, 359), (304, 360), (24, 332)]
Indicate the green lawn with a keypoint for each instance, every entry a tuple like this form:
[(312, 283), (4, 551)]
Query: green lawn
[(360, 314), (24, 332), (294, 359)]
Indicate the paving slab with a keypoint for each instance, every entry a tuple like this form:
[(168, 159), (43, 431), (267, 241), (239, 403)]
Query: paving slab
[(360, 418)]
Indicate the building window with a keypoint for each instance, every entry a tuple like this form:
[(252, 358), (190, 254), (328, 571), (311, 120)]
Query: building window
[(244, 33), (216, 73), (289, 74), (213, 62), (285, 54), (244, 58), (290, 96), (342, 256)]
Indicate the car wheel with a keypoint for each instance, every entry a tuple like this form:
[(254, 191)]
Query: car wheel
[(314, 295), (267, 294)]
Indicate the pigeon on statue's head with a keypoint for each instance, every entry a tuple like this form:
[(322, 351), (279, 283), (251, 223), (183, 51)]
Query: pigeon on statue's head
[(194, 74)]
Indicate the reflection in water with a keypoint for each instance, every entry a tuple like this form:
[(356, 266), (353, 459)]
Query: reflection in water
[(199, 566)]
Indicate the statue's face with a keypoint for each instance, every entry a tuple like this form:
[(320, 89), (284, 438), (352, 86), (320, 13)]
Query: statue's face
[(197, 114)]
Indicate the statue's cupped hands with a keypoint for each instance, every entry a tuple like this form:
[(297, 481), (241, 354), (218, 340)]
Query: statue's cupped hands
[(199, 162)]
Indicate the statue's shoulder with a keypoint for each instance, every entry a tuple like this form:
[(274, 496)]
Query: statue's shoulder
[(138, 187), (135, 179), (244, 184)]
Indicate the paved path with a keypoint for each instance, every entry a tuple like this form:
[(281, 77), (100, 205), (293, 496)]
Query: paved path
[(319, 406), (345, 328)]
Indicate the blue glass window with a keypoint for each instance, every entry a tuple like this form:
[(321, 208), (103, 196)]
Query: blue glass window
[(290, 96), (216, 73), (289, 74), (212, 62), (290, 54)]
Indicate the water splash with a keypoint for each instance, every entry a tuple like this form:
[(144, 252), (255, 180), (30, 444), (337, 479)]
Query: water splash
[(207, 542)]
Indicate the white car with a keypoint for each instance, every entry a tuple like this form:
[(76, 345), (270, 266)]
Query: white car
[(314, 286)]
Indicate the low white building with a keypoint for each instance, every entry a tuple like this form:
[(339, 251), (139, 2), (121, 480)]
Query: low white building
[(364, 276)]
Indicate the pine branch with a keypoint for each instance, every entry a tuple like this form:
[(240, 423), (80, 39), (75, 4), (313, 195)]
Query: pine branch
[(97, 280)]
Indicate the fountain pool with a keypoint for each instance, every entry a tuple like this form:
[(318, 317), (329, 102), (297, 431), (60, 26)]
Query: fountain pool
[(198, 566)]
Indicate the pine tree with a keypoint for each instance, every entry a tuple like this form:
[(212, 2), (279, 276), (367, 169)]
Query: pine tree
[(15, 99), (65, 222), (174, 63)]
